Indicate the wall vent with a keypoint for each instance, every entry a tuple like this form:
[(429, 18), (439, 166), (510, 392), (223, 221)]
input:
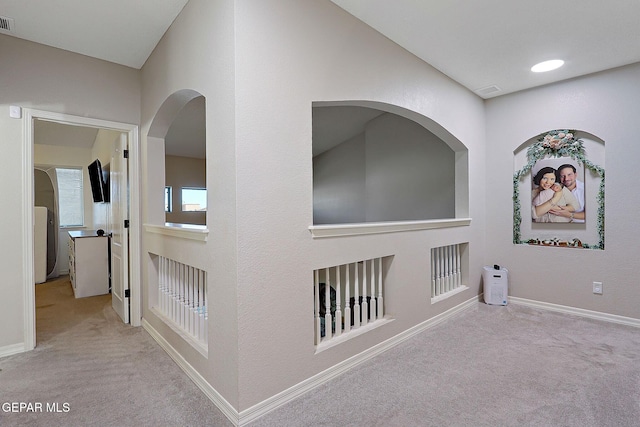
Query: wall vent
[(488, 90), (7, 24)]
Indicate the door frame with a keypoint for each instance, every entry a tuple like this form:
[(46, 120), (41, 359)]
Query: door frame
[(132, 131)]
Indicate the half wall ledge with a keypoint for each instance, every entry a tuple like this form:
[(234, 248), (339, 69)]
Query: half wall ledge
[(341, 230), (184, 231)]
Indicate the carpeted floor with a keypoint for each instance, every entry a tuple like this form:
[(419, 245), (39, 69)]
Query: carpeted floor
[(93, 370), (488, 366)]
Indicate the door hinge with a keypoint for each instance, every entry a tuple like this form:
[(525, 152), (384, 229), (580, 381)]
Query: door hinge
[(127, 293), (126, 154), (126, 223)]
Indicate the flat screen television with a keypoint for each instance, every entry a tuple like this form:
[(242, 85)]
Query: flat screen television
[(97, 181)]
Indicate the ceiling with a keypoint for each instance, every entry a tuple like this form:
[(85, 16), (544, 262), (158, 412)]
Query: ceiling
[(487, 46), (335, 125), (120, 31), (480, 44)]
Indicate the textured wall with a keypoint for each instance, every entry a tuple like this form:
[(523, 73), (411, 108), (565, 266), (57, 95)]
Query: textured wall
[(44, 78), (289, 55), (606, 106)]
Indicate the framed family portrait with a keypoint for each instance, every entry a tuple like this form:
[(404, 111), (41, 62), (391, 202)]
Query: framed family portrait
[(558, 191)]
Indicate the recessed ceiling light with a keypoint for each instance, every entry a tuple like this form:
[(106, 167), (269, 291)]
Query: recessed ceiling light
[(547, 66)]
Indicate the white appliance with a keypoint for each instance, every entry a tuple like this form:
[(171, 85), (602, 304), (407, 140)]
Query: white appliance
[(496, 285)]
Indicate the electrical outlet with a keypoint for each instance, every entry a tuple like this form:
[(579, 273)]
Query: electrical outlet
[(597, 288)]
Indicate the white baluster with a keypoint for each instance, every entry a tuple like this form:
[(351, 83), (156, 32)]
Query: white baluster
[(458, 267), (172, 293), (373, 306), (443, 253), (447, 263), (452, 267), (438, 275), (338, 314), (196, 299), (201, 304), (182, 284), (159, 283), (364, 307), (327, 306), (380, 299), (194, 310), (192, 318), (187, 305), (433, 274), (167, 284), (442, 271), (347, 300), (185, 298), (317, 297), (356, 304), (206, 308)]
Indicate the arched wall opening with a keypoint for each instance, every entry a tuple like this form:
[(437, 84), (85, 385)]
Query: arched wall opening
[(376, 162), (177, 153)]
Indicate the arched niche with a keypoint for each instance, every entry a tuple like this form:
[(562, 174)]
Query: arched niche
[(177, 153), (377, 162), (555, 149)]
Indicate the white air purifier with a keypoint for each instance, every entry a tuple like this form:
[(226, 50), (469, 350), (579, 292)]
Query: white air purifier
[(496, 285)]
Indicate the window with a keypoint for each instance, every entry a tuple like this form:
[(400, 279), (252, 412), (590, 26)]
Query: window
[(70, 197), (194, 199), (167, 199)]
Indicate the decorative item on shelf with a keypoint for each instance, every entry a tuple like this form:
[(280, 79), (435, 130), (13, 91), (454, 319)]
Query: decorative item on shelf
[(573, 243), (557, 143)]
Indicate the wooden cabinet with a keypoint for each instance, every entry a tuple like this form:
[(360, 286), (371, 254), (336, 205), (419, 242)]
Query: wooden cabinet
[(88, 263)]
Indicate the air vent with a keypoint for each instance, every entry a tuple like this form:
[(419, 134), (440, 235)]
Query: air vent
[(488, 90), (6, 24)]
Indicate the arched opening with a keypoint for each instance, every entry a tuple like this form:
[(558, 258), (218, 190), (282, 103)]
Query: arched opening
[(177, 143), (376, 162)]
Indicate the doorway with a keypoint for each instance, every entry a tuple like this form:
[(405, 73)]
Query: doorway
[(130, 134)]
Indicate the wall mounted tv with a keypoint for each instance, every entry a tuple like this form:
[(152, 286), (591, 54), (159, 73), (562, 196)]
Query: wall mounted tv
[(99, 182)]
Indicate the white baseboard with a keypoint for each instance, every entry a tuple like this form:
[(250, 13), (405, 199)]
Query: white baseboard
[(251, 414), (268, 405), (10, 350), (221, 403), (630, 321)]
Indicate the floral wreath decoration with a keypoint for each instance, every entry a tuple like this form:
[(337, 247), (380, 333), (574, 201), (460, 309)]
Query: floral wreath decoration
[(557, 143)]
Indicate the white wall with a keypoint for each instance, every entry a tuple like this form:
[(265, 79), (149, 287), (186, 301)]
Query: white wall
[(44, 78), (410, 172), (261, 68), (606, 106), (289, 55), (197, 53), (339, 185)]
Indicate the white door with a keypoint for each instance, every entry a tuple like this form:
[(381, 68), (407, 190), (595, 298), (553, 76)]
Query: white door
[(119, 177)]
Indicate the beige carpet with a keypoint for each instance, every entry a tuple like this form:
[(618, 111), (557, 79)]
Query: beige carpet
[(488, 366), (93, 370)]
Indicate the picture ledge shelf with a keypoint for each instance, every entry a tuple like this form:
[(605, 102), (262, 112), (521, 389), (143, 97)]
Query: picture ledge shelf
[(184, 231), (340, 230)]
